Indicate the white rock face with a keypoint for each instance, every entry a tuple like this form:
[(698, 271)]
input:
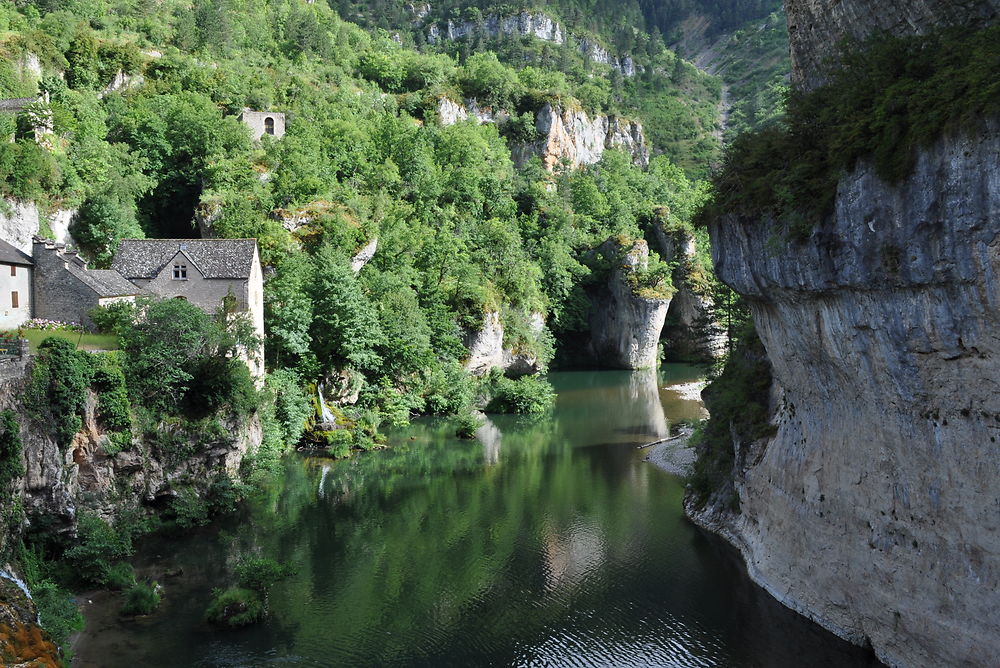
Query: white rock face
[(573, 137), (364, 256), (451, 112), (59, 222), (624, 326), (486, 349), (535, 24), (874, 510), (18, 223)]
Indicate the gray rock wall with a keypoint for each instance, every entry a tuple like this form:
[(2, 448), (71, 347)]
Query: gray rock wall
[(625, 326), (816, 26), (874, 510)]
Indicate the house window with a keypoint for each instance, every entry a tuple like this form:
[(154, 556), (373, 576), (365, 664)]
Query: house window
[(14, 303), (13, 270), (180, 272), (269, 126)]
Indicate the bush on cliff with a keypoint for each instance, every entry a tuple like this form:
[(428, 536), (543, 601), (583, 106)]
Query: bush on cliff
[(738, 405), (890, 97), (59, 381)]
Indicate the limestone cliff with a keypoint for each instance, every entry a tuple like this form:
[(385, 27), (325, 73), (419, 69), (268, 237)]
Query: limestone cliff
[(874, 508), (524, 24), (816, 27), (487, 349), (626, 319), (20, 221), (565, 135), (60, 481)]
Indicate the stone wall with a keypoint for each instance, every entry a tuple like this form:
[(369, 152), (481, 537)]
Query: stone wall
[(257, 121), (874, 509), (58, 294)]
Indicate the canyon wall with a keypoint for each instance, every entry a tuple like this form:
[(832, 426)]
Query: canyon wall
[(816, 27), (875, 510)]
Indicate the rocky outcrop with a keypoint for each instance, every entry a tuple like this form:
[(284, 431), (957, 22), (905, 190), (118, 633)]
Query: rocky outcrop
[(690, 331), (566, 135), (874, 508), (816, 27), (364, 255), (626, 320), (534, 24), (59, 481), (20, 221), (572, 137), (487, 350)]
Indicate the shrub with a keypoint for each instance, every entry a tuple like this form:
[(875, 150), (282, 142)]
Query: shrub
[(338, 442), (189, 509), (56, 611), (59, 382), (528, 395), (467, 424), (11, 467), (141, 599), (98, 546), (121, 575), (259, 573), (235, 607)]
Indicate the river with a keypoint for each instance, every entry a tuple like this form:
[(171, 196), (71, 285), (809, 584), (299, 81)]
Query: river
[(543, 543)]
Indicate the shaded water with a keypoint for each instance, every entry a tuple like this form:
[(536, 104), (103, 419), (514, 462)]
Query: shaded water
[(547, 543)]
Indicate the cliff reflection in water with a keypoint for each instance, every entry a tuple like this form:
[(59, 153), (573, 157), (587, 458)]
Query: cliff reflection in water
[(549, 542)]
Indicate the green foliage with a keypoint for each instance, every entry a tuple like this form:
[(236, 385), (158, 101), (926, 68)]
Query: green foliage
[(178, 359), (466, 425), (121, 576), (738, 405), (11, 467), (890, 97), (189, 509), (235, 607), (526, 395), (57, 612), (97, 548), (260, 573), (59, 381), (141, 599), (108, 381), (115, 318)]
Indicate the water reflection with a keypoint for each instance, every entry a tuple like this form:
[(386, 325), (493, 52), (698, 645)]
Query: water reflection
[(560, 548)]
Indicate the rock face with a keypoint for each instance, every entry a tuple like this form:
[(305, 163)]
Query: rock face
[(625, 325), (21, 221), (874, 508), (487, 351), (533, 24), (815, 27), (565, 135), (58, 482), (573, 137)]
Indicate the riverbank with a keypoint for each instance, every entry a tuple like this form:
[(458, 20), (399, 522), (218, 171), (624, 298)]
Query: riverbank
[(673, 455)]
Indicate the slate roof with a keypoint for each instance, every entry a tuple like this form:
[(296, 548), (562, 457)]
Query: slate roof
[(11, 255), (214, 258), (105, 282)]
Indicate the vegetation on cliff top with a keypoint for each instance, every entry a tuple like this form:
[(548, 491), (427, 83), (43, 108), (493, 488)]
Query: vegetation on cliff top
[(891, 97)]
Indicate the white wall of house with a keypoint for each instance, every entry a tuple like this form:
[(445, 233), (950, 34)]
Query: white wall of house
[(14, 279)]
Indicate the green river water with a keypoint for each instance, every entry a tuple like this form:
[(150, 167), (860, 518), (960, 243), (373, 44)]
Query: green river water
[(544, 543)]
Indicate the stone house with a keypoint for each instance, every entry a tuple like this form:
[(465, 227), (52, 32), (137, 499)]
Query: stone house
[(264, 123), (65, 289), (15, 287), (202, 271)]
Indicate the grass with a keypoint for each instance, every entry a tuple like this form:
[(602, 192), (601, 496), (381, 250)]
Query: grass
[(82, 340)]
